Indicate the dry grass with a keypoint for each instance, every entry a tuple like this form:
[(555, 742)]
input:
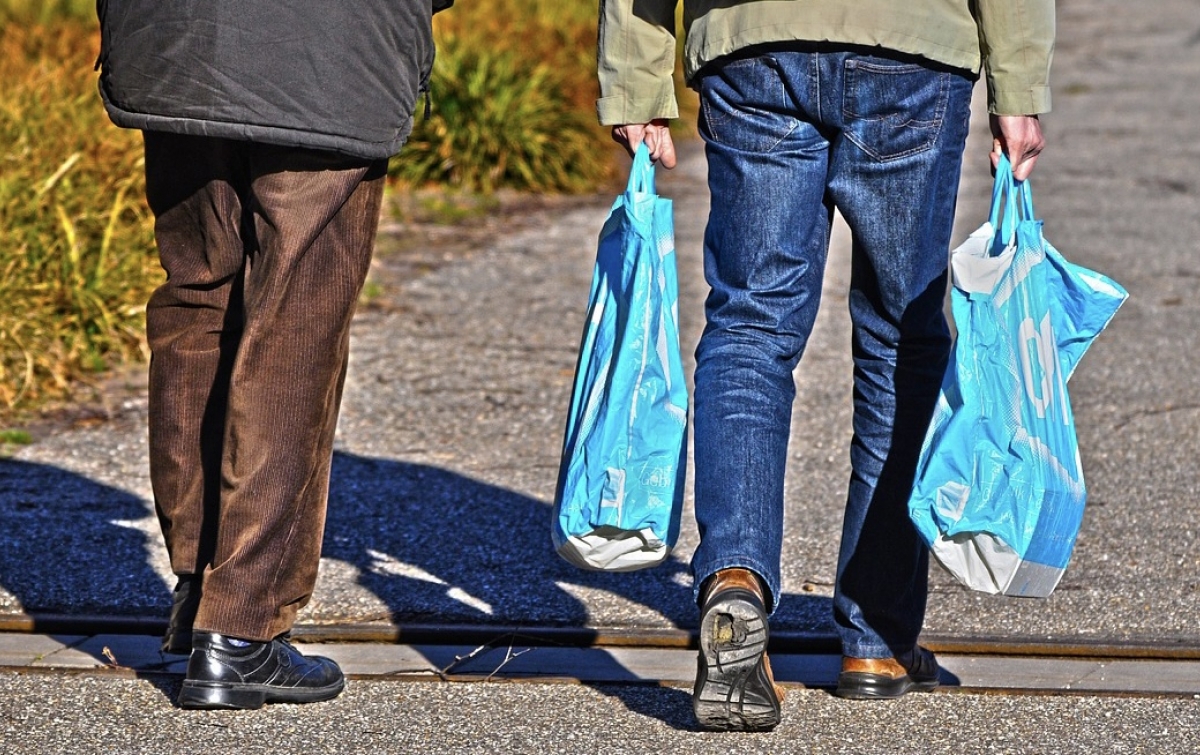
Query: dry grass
[(76, 257)]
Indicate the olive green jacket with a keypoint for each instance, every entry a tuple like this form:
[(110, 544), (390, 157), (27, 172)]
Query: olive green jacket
[(1011, 41)]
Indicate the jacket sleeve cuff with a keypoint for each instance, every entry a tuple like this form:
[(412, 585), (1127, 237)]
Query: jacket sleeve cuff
[(1018, 100), (620, 109)]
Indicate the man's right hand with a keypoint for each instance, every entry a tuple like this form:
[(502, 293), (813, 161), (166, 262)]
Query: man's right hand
[(657, 136)]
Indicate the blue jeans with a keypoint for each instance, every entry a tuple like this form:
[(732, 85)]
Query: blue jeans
[(790, 135)]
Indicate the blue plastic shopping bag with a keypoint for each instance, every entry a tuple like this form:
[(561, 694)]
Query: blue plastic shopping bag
[(620, 486), (999, 493)]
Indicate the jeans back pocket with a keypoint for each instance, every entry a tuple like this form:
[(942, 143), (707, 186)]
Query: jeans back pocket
[(893, 109), (745, 104)]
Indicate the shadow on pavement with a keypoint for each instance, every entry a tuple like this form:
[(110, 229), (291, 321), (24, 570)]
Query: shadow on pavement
[(434, 546), (70, 546), (438, 547)]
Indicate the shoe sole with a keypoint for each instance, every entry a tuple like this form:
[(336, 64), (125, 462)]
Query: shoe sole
[(229, 696), (853, 685), (733, 691)]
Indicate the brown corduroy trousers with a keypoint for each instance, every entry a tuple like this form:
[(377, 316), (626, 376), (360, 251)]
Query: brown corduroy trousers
[(266, 249)]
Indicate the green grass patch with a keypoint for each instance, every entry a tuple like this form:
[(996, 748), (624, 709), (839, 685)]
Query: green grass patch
[(498, 123), (46, 11), (15, 437), (512, 94)]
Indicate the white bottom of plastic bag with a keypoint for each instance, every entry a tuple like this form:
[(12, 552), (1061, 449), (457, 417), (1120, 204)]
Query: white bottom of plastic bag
[(613, 549), (984, 563)]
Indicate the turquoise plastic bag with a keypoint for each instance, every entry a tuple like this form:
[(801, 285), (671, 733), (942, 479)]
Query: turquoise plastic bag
[(620, 486), (999, 493)]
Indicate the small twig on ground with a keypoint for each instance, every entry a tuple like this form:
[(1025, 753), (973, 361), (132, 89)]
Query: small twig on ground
[(509, 656), (112, 659)]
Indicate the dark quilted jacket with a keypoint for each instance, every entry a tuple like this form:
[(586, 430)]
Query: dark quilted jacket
[(342, 75)]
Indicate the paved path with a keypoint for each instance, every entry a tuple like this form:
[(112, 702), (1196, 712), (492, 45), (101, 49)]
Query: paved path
[(449, 440)]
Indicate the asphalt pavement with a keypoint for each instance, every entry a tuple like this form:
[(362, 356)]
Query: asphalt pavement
[(446, 458)]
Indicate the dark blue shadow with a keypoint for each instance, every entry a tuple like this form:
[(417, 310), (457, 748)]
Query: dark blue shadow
[(64, 549), (70, 560), (438, 547)]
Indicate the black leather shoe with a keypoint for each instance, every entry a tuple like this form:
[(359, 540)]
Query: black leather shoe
[(735, 689), (185, 604), (888, 678), (224, 672)]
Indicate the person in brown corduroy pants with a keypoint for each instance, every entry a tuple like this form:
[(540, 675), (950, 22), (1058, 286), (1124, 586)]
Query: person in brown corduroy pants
[(266, 249), (267, 131)]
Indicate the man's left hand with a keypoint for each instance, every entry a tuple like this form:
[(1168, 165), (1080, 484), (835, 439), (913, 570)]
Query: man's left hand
[(1020, 137)]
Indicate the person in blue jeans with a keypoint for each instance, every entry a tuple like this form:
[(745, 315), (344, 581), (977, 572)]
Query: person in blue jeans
[(807, 108)]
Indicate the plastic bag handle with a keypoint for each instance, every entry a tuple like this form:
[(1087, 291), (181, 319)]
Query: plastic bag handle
[(641, 173), (1015, 198)]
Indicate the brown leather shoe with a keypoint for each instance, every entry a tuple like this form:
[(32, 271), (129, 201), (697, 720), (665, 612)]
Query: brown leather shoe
[(888, 678), (735, 689)]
